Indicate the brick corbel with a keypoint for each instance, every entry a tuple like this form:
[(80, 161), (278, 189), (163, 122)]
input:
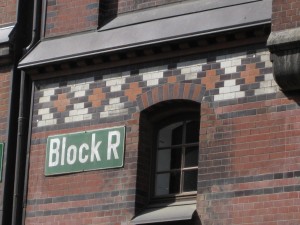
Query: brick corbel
[(285, 54)]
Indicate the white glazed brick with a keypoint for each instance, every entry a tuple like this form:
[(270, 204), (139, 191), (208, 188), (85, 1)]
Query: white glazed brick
[(235, 88), (151, 76), (228, 96), (239, 94), (266, 90), (103, 114), (41, 123), (269, 76), (152, 82), (229, 83), (236, 62), (87, 117), (47, 116), (225, 64), (76, 112), (77, 118), (80, 87), (44, 99), (43, 111), (50, 122), (219, 97), (191, 76), (48, 92), (79, 94), (118, 112), (114, 100), (230, 89), (268, 64), (265, 58), (185, 70), (267, 83), (116, 88), (79, 105), (68, 119), (196, 68), (224, 90), (230, 70), (117, 81), (114, 107)]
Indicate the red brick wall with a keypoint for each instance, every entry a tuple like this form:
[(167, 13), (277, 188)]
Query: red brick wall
[(286, 14), (7, 12), (249, 165), (65, 17)]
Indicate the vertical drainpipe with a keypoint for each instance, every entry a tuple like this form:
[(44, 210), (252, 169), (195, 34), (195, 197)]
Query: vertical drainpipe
[(24, 128)]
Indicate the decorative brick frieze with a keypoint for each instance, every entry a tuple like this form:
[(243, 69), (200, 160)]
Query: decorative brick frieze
[(243, 76)]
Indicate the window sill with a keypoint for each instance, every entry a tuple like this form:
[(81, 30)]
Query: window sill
[(166, 212)]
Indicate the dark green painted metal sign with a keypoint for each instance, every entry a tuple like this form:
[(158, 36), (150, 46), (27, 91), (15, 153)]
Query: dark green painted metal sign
[(90, 150), (1, 159)]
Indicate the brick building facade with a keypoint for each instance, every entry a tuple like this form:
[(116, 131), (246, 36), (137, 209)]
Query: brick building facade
[(207, 92)]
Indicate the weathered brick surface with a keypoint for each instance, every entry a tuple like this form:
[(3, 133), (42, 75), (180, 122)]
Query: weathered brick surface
[(286, 14), (7, 12), (65, 17), (249, 140)]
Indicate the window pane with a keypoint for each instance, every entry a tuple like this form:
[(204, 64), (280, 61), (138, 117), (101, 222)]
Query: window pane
[(170, 135), (190, 180), (175, 183), (176, 158), (163, 160), (167, 183), (192, 132), (191, 156), (162, 184)]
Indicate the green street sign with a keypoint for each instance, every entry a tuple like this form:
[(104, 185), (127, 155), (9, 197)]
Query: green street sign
[(84, 151), (1, 159)]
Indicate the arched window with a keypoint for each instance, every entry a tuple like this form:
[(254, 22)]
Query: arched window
[(167, 168)]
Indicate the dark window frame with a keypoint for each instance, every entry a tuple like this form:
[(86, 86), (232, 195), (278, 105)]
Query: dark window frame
[(170, 116)]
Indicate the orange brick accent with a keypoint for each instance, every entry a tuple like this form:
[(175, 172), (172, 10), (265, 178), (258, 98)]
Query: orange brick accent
[(172, 79), (97, 97), (210, 80), (250, 73), (133, 91), (62, 102)]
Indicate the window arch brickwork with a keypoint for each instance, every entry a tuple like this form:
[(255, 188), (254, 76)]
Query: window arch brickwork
[(187, 91)]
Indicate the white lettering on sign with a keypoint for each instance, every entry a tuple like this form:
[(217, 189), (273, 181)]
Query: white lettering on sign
[(53, 153), (94, 151), (84, 159), (113, 146)]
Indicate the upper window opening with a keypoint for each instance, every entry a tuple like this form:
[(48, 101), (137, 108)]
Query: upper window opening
[(176, 166)]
